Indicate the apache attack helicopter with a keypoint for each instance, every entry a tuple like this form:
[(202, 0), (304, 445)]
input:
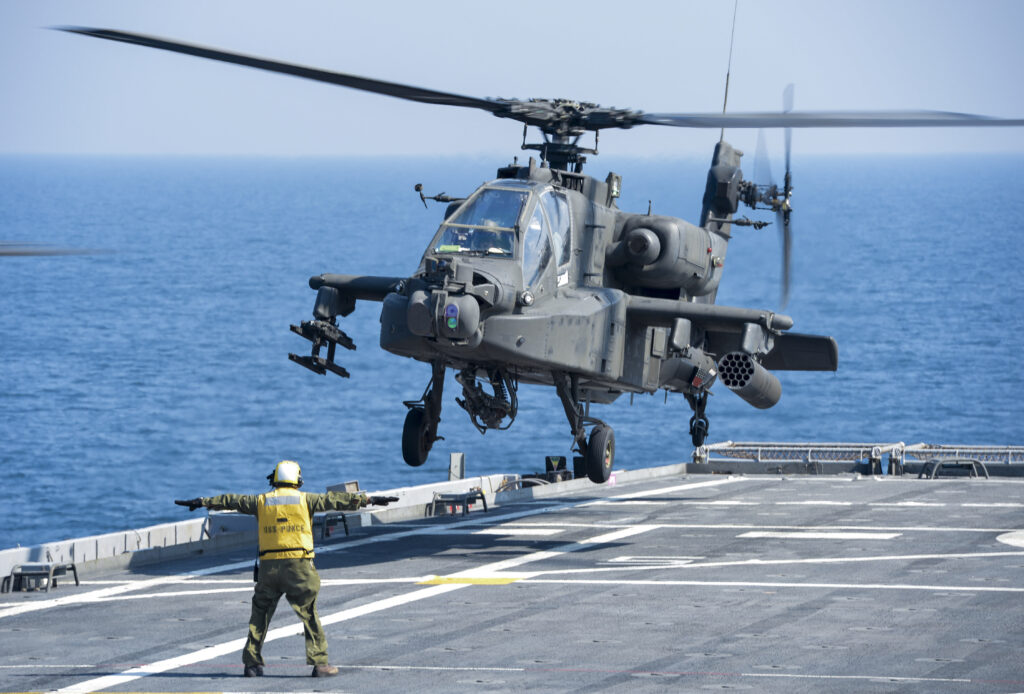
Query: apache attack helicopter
[(538, 277)]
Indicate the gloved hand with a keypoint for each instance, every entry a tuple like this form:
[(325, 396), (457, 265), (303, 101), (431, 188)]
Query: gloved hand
[(192, 504), (381, 500)]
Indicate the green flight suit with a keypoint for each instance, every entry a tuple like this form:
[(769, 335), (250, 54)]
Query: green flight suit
[(295, 578)]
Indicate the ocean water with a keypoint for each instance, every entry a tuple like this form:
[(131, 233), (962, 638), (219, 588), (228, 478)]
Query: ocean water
[(157, 368)]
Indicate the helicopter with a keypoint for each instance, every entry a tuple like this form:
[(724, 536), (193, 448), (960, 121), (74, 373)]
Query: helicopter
[(18, 249), (537, 276)]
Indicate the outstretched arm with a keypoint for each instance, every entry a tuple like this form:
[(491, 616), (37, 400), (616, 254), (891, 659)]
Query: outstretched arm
[(243, 503), (335, 501), (344, 501)]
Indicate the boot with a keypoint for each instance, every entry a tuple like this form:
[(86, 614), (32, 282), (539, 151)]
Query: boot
[(324, 671), (254, 671)]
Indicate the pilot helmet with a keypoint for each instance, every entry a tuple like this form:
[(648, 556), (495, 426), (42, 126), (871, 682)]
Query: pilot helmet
[(287, 473)]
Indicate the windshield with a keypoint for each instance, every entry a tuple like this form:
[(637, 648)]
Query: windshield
[(557, 210), (485, 225), (536, 248)]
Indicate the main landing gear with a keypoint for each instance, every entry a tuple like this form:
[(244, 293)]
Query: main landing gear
[(599, 451), (420, 430), (486, 410)]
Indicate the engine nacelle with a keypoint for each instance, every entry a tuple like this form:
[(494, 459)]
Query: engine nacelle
[(664, 253), (749, 380)]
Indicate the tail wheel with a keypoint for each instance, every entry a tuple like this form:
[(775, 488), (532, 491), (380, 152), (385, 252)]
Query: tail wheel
[(414, 437), (698, 430), (600, 454)]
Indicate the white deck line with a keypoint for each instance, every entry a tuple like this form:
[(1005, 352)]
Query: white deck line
[(768, 584), (818, 535), (236, 645), (470, 521)]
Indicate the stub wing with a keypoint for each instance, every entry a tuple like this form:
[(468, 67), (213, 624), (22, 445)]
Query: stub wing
[(729, 328), (664, 312), (700, 343), (798, 352), (336, 296), (362, 287)]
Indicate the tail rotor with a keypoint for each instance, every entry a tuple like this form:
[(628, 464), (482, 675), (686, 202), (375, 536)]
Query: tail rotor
[(770, 196), (784, 208)]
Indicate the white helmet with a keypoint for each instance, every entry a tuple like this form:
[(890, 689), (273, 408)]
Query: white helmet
[(287, 473)]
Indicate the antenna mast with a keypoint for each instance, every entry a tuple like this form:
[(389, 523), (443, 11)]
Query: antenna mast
[(728, 69)]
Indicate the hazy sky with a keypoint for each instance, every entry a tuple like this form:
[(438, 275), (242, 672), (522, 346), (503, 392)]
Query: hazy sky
[(67, 93)]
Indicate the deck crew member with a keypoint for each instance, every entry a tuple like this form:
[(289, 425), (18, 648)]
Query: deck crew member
[(284, 516)]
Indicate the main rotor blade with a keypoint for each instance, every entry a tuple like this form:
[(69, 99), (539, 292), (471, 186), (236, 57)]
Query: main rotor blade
[(551, 115), (826, 119), (366, 84)]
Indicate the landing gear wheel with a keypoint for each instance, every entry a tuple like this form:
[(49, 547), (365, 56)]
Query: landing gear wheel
[(414, 437), (698, 430), (600, 455), (698, 422)]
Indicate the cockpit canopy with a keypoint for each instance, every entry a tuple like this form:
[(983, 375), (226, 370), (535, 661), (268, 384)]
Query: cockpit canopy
[(488, 223)]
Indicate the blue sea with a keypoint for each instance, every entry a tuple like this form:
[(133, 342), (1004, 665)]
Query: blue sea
[(156, 368)]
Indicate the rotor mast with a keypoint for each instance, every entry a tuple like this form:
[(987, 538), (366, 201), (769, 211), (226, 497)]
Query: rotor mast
[(561, 151), (562, 123)]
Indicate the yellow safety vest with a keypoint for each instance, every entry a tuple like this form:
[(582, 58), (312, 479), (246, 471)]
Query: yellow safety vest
[(286, 529)]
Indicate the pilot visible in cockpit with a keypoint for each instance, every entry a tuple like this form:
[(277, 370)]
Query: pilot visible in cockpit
[(486, 241)]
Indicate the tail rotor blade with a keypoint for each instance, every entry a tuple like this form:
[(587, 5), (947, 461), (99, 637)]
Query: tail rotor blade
[(783, 216), (787, 106), (762, 164), (782, 220), (787, 98)]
